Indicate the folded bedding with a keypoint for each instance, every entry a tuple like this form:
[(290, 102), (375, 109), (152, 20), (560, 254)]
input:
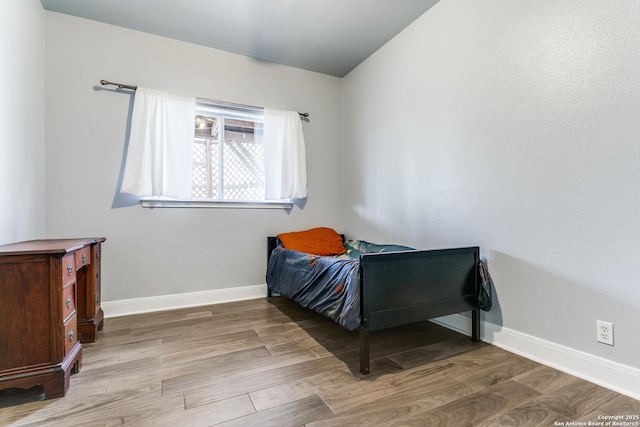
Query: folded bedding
[(329, 285)]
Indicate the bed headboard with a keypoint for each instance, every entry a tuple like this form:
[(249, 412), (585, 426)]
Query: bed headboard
[(272, 242)]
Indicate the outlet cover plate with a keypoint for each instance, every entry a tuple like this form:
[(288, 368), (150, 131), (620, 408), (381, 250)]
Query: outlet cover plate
[(604, 332)]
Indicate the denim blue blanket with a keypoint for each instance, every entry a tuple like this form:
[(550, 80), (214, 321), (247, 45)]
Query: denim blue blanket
[(327, 285)]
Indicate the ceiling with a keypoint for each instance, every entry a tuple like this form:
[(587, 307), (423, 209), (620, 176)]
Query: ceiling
[(327, 36)]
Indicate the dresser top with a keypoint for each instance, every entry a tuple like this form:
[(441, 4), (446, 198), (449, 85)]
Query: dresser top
[(47, 246)]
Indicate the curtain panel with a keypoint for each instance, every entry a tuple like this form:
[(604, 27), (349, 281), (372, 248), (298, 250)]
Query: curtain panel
[(159, 155), (284, 156)]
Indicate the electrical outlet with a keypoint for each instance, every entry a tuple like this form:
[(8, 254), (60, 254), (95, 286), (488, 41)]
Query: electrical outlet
[(605, 332)]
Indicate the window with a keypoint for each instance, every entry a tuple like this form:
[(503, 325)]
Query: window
[(228, 155), (217, 158)]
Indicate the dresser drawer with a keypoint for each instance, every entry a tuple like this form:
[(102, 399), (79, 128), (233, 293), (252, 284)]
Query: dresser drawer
[(68, 300), (70, 334), (83, 257), (68, 269)]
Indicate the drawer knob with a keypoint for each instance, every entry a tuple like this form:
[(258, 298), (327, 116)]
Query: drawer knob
[(69, 269), (84, 258), (68, 302), (71, 336)]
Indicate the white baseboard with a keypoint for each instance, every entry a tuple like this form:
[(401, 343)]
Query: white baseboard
[(614, 376), (172, 302)]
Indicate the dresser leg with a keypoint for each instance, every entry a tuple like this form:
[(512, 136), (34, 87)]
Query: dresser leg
[(54, 380)]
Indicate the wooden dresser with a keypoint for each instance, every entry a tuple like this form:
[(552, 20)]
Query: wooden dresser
[(49, 303)]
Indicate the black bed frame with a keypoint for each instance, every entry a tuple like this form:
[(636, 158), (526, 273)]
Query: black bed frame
[(434, 283)]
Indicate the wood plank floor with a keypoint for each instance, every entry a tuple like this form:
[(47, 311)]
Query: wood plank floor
[(269, 362)]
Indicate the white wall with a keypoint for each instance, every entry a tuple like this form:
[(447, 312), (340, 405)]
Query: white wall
[(514, 126), (153, 252), (22, 124)]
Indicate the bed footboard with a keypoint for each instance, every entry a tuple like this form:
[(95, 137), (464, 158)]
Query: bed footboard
[(400, 288)]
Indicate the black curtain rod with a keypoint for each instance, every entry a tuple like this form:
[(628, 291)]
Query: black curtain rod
[(131, 87), (120, 85)]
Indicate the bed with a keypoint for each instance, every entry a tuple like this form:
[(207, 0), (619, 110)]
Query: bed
[(371, 287)]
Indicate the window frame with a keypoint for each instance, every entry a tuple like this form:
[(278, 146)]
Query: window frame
[(158, 202)]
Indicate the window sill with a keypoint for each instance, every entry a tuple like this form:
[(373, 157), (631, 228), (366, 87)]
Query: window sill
[(224, 204)]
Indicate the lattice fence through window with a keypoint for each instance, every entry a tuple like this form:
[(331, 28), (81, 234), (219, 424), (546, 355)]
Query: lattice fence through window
[(241, 168)]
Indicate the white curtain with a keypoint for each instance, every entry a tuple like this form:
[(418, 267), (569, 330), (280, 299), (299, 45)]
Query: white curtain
[(159, 156), (284, 156)]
